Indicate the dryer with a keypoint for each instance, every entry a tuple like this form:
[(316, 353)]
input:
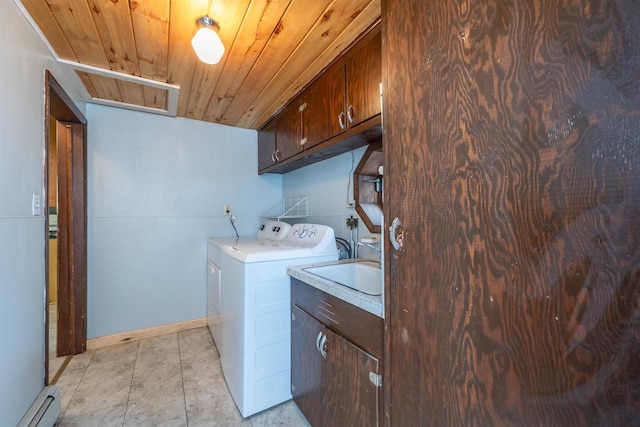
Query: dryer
[(252, 329)]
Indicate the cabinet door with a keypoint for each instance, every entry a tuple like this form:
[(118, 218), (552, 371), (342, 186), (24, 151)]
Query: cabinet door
[(325, 102), (288, 132), (350, 398), (307, 366), (364, 75), (267, 145)]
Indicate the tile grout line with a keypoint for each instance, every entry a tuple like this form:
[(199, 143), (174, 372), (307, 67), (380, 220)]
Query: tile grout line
[(75, 390), (133, 375), (184, 393)]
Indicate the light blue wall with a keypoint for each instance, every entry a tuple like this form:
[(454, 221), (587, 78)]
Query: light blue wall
[(329, 188), (156, 187), (23, 60)]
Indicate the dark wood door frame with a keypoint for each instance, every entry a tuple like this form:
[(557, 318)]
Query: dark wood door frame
[(72, 221)]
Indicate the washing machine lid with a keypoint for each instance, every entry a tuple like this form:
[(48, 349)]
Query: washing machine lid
[(260, 252), (302, 241)]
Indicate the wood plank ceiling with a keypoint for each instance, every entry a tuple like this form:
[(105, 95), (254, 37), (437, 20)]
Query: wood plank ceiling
[(273, 48)]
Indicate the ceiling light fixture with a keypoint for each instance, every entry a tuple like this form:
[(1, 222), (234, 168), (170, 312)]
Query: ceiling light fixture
[(206, 42)]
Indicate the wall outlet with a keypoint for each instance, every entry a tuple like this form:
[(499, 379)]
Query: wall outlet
[(227, 209)]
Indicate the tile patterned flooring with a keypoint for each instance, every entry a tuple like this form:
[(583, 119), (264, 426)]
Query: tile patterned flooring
[(170, 380)]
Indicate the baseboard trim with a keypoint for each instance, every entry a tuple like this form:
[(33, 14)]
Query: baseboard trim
[(140, 334)]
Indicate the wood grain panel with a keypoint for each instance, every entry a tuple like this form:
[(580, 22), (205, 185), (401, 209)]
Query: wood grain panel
[(261, 19), (113, 22), (86, 81), (332, 22), (76, 21), (42, 15), (357, 325), (182, 59), (131, 93), (511, 157), (270, 104), (230, 16), (105, 87), (307, 366), (298, 20), (152, 44), (348, 389)]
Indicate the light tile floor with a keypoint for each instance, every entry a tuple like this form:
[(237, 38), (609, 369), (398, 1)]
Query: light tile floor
[(170, 380), (54, 362)]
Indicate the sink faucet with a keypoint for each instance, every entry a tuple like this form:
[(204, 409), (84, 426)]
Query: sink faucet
[(369, 246)]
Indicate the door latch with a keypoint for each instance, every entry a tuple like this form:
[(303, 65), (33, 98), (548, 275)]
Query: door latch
[(376, 379)]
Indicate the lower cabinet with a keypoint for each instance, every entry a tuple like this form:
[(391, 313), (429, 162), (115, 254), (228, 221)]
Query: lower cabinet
[(333, 381)]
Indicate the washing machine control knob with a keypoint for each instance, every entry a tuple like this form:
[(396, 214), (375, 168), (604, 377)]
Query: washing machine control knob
[(303, 233)]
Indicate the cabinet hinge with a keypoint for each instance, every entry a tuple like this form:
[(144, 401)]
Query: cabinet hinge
[(293, 388), (375, 379), (293, 316)]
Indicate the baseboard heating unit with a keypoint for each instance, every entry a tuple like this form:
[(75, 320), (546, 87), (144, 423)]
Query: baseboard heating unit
[(45, 409)]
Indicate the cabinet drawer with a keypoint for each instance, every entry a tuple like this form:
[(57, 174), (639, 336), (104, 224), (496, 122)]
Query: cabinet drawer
[(357, 325)]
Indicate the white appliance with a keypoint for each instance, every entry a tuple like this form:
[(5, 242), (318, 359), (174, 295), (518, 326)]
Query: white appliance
[(252, 329)]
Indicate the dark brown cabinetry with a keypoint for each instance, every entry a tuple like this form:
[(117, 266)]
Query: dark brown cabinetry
[(337, 112), (335, 366), (267, 150), (323, 102), (363, 78), (513, 297)]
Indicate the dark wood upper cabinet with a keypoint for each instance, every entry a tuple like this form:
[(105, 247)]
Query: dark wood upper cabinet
[(288, 132), (337, 112), (323, 102), (363, 78), (267, 145)]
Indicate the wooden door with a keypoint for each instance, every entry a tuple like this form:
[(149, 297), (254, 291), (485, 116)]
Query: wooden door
[(307, 366), (267, 145), (351, 399), (72, 244), (511, 146), (364, 75), (325, 103), (289, 132)]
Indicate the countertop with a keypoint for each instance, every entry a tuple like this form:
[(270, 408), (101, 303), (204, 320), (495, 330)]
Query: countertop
[(372, 304)]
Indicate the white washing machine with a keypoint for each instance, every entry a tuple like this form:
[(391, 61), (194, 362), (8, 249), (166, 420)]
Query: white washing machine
[(252, 326), (269, 232)]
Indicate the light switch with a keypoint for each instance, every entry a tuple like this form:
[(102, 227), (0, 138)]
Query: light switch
[(36, 205)]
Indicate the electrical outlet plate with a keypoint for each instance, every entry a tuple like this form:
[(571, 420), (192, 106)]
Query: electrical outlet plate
[(227, 209)]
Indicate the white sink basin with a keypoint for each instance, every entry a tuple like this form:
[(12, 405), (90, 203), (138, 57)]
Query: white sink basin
[(363, 276)]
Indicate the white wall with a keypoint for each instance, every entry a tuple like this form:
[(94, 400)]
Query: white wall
[(326, 184), (156, 190), (23, 60)]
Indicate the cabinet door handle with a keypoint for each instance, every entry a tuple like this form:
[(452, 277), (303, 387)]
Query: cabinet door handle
[(277, 155), (318, 340), (350, 113), (323, 343), (396, 234), (341, 120), (303, 141), (273, 156)]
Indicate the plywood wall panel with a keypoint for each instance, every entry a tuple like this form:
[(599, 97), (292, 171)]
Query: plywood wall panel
[(511, 158), (262, 17), (152, 39), (113, 22), (299, 19), (230, 15), (76, 21), (333, 22)]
